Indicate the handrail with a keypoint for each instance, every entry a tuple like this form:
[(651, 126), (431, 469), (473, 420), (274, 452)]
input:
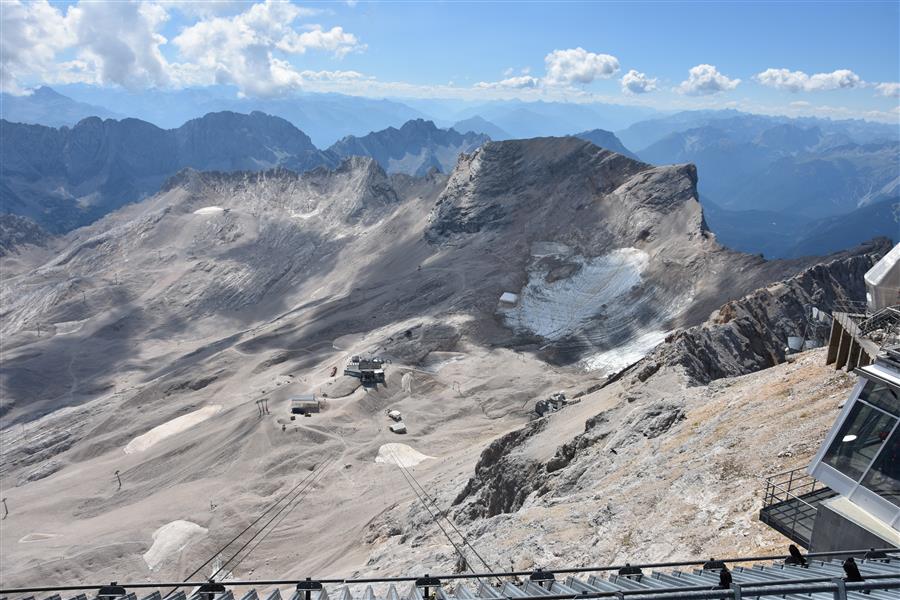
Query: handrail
[(454, 576), (773, 484)]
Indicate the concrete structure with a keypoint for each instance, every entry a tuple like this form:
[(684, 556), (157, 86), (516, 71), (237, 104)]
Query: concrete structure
[(848, 347), (367, 370), (305, 404), (849, 496), (550, 405), (883, 282)]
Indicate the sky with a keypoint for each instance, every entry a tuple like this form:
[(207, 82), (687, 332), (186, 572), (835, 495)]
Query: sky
[(827, 59)]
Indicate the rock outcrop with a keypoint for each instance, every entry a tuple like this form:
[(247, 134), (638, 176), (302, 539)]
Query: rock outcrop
[(750, 333), (415, 149), (16, 232)]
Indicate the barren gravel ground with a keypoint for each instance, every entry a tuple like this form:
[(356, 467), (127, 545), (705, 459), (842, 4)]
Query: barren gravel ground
[(151, 320)]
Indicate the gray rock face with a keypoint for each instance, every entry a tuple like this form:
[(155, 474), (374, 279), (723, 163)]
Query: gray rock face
[(751, 333), (506, 182), (67, 177), (503, 479), (16, 232), (415, 149)]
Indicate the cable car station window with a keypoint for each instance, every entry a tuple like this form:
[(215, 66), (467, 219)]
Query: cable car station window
[(884, 476), (861, 436), (883, 396)]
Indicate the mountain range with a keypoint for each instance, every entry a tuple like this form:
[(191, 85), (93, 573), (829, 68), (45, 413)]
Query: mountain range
[(139, 345), (766, 182), (770, 182), (67, 177)]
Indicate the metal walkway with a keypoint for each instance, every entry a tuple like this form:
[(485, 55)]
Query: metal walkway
[(821, 580)]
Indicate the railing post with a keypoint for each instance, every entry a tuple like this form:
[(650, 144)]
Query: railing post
[(736, 588), (840, 593)]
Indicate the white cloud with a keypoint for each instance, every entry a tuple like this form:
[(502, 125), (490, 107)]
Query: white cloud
[(120, 43), (891, 90), (798, 81), (635, 82), (332, 76), (705, 80), (577, 65), (511, 83), (33, 33), (242, 50)]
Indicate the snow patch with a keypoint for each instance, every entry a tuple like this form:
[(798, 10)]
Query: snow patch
[(559, 308), (209, 210), (68, 327), (177, 425), (400, 455), (613, 361), (37, 537), (170, 539)]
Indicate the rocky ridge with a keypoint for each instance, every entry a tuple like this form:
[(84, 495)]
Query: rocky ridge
[(415, 148)]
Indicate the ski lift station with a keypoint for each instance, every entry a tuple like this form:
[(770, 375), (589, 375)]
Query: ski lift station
[(367, 370), (305, 404)]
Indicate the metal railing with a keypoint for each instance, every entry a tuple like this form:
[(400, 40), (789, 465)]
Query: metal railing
[(788, 486), (852, 307), (887, 319), (891, 579)]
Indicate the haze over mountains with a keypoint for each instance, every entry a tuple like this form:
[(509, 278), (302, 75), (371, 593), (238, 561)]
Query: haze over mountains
[(770, 185)]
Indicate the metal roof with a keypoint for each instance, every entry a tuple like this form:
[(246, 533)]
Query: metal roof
[(819, 581)]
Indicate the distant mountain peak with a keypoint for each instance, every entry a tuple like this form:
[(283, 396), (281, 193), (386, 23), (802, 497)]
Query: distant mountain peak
[(608, 140), (418, 146)]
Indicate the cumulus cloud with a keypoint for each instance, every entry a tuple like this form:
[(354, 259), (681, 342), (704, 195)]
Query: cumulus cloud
[(120, 43), (891, 90), (577, 65), (705, 80), (511, 83), (33, 33), (242, 50), (798, 81), (635, 82)]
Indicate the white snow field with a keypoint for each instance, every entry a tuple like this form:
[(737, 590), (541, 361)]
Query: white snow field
[(169, 540), (177, 425), (400, 455), (612, 361), (209, 210), (558, 309)]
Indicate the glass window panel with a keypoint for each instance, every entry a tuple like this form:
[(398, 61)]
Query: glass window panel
[(884, 476), (860, 437), (881, 395)]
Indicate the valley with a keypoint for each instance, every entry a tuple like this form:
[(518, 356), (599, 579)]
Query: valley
[(138, 351)]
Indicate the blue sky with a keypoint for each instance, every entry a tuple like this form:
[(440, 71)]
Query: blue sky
[(839, 59)]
